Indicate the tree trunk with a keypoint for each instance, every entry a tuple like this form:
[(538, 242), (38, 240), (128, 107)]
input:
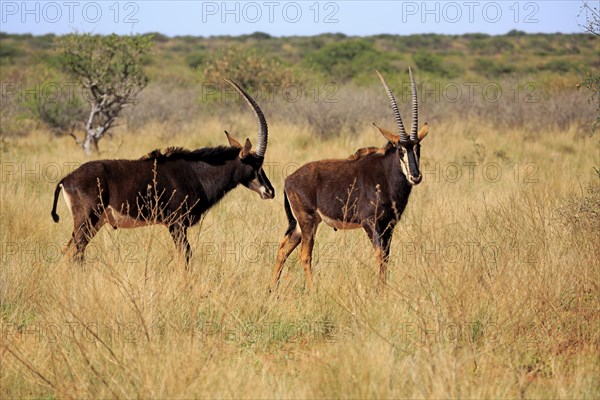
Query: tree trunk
[(90, 144)]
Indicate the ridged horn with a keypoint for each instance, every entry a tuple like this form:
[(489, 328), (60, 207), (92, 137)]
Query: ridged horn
[(401, 130), (263, 135), (415, 110)]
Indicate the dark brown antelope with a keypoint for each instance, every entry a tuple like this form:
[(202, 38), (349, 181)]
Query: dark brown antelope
[(173, 188), (368, 190)]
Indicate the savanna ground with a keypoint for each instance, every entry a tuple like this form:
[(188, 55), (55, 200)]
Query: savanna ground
[(494, 272)]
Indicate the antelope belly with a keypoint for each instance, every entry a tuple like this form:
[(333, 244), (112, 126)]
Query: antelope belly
[(337, 224), (120, 220)]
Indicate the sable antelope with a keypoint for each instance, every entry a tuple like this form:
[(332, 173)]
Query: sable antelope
[(174, 188), (368, 190)]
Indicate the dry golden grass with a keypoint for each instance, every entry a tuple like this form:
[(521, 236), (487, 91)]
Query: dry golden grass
[(493, 291)]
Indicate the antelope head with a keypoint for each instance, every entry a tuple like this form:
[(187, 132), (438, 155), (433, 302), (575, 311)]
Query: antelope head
[(408, 147), (255, 178)]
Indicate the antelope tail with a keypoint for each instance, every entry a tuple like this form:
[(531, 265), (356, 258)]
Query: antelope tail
[(290, 216), (55, 216)]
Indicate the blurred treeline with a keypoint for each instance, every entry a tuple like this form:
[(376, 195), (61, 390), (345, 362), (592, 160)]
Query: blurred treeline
[(325, 81)]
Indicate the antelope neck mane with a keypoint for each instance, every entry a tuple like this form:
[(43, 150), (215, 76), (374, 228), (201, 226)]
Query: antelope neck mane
[(210, 155), (368, 151)]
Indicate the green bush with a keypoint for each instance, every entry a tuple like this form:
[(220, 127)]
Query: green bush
[(492, 45), (472, 36), (346, 59), (8, 53), (516, 33), (592, 83), (429, 40), (55, 103), (247, 67), (492, 69), (259, 36), (157, 37), (434, 64), (196, 59), (308, 45), (44, 42), (560, 66), (541, 45)]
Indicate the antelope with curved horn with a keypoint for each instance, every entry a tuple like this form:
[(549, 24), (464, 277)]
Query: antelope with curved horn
[(173, 188), (368, 190)]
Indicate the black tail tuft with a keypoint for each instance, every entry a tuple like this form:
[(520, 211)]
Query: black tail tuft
[(290, 216), (55, 216)]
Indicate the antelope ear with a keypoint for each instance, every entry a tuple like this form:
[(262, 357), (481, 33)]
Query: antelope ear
[(423, 132), (232, 141), (246, 149), (394, 139)]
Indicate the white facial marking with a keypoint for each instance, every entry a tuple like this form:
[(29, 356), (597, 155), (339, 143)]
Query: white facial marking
[(404, 163)]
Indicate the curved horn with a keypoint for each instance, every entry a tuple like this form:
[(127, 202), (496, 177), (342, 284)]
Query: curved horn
[(403, 135), (263, 134), (415, 110)]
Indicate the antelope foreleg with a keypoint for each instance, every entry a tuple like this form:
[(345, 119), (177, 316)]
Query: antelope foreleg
[(179, 235)]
